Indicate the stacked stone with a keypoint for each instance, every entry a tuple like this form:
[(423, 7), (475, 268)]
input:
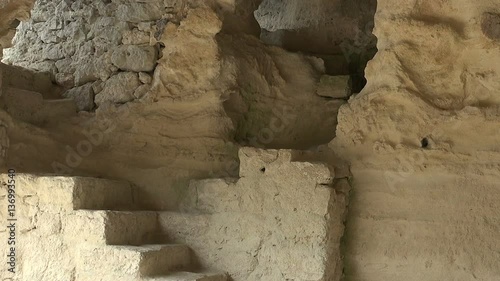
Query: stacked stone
[(101, 51)]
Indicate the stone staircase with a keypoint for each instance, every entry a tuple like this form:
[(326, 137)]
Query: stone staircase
[(109, 239), (31, 107), (27, 96), (282, 219)]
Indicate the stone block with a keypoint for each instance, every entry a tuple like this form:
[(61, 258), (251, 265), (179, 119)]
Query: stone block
[(337, 87), (119, 88), (135, 58), (83, 97)]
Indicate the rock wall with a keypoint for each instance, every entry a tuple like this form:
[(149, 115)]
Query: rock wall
[(422, 137), (338, 31), (281, 220), (423, 140), (318, 26), (272, 91), (104, 54), (198, 101), (12, 11), (176, 131), (106, 50)]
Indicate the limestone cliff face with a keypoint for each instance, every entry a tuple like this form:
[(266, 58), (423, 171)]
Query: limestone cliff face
[(423, 139)]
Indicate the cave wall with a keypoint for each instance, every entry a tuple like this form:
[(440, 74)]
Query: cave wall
[(338, 31), (176, 131), (183, 127), (12, 11), (274, 89), (319, 26), (247, 226), (423, 139), (105, 52), (102, 54), (199, 95)]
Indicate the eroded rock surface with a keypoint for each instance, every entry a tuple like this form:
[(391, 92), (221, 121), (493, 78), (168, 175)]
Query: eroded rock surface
[(135, 58), (338, 31), (423, 140), (119, 88), (177, 82), (12, 11), (83, 96), (283, 219)]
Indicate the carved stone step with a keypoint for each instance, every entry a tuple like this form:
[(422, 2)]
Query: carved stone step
[(58, 193), (30, 107), (111, 227), (131, 262)]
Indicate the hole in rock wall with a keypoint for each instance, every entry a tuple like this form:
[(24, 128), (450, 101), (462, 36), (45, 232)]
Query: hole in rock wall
[(289, 97), (425, 143), (337, 31)]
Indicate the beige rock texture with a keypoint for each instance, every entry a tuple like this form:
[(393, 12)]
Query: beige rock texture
[(273, 90), (162, 95), (183, 124), (76, 228), (422, 138), (162, 140), (82, 228), (273, 227), (12, 11), (163, 89), (318, 26), (338, 31)]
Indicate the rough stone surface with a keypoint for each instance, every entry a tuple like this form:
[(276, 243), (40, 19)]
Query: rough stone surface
[(132, 11), (60, 223), (12, 11), (490, 25), (339, 87), (83, 97), (20, 99), (119, 88), (276, 227), (134, 58), (322, 27), (84, 40), (273, 90), (145, 78), (141, 91), (422, 138)]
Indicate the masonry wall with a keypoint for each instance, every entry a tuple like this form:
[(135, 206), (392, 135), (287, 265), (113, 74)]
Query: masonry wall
[(105, 51)]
